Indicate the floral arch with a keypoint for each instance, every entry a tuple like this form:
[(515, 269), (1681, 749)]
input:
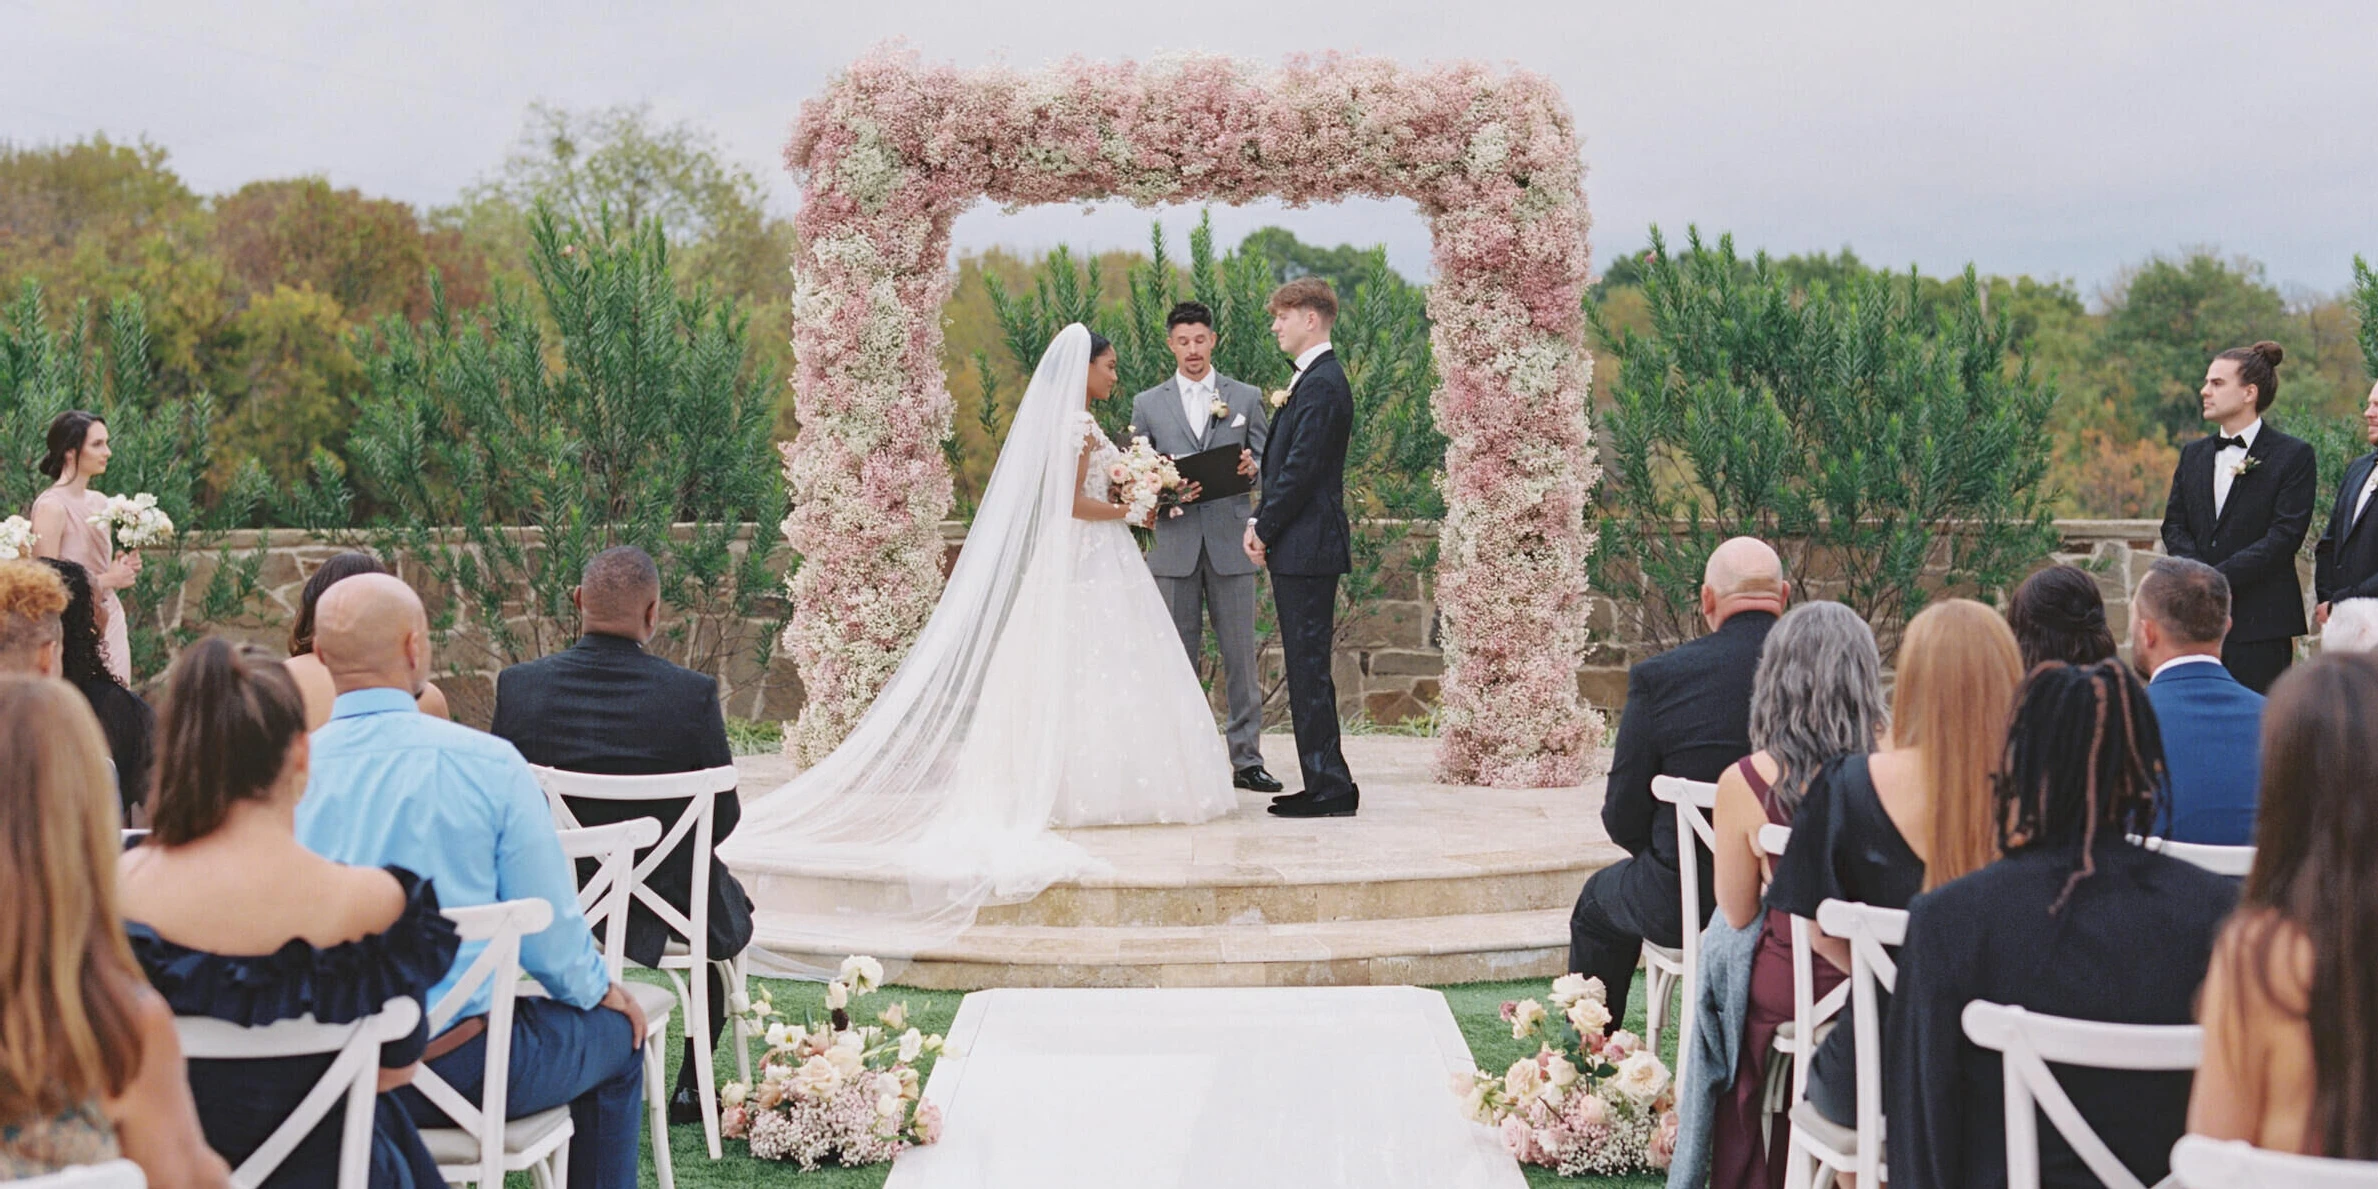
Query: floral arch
[(894, 149)]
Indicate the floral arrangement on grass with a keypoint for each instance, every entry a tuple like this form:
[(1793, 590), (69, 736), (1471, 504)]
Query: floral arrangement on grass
[(17, 538), (1600, 1103), (833, 1091), (894, 149), (135, 522)]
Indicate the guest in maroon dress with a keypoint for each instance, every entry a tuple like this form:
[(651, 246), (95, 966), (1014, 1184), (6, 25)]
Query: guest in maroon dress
[(1818, 696)]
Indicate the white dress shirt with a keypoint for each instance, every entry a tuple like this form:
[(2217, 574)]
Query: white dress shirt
[(2368, 485), (1306, 359), (2193, 658), (1197, 400), (2225, 462)]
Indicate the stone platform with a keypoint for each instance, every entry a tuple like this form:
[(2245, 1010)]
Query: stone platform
[(1430, 884)]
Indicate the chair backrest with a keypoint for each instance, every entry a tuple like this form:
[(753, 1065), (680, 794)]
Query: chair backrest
[(114, 1174), (2220, 860), (2028, 1041), (604, 898), (1871, 932), (1773, 839), (1695, 802), (699, 789), (2200, 1163), (353, 1076), (501, 926)]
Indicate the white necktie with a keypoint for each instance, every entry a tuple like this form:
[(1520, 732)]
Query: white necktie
[(2369, 485), (1193, 406)]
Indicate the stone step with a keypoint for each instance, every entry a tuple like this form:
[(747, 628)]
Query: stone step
[(1385, 897), (1466, 947)]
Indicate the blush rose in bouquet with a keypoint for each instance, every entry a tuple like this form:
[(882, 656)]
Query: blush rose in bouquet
[(833, 1090), (1590, 1101), (1147, 483)]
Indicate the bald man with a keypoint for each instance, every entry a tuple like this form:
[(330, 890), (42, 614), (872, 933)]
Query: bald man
[(392, 786), (1688, 715)]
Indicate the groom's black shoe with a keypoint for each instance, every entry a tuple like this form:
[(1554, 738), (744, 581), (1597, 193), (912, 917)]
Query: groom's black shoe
[(1255, 779), (1305, 805)]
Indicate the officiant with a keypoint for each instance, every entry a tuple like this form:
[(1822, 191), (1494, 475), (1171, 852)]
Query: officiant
[(1197, 560)]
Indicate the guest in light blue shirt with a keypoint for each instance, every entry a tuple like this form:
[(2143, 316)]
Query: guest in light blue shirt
[(2211, 724), (391, 785)]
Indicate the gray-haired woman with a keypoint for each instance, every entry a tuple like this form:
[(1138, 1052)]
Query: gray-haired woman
[(1818, 696)]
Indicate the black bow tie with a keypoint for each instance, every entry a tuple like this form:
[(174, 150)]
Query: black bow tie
[(2225, 443)]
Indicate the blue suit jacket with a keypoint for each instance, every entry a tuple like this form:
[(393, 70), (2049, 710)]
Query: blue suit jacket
[(2212, 742)]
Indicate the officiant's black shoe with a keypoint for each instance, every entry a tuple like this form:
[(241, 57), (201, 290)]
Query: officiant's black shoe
[(1302, 805), (1255, 779)]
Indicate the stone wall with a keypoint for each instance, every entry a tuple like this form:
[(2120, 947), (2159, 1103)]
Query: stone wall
[(1388, 665)]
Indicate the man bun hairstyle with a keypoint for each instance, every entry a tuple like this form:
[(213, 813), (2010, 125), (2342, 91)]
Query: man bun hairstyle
[(2259, 365), (2187, 598), (1306, 293), (68, 431), (1191, 313)]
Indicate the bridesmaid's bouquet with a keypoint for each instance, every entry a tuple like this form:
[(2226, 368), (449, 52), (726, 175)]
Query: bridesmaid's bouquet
[(1589, 1101), (1146, 482), (135, 522), (17, 538), (830, 1090)]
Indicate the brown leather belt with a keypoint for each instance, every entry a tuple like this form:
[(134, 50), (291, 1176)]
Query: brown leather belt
[(462, 1033)]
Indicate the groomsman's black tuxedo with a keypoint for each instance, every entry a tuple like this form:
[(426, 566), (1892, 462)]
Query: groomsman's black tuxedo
[(2253, 542), (1302, 524), (2345, 562)]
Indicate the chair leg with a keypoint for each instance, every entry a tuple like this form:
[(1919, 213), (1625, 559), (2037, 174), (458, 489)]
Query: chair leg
[(557, 1165), (739, 977), (697, 1040), (656, 1096), (1660, 986)]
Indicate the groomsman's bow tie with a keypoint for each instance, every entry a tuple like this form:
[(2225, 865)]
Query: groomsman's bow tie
[(2226, 443)]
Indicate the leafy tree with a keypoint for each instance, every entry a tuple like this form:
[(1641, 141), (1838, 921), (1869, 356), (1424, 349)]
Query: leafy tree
[(631, 421), (2169, 317), (1888, 454), (291, 390), (369, 255)]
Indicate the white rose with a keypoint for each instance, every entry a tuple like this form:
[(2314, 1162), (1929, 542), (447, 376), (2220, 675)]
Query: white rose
[(1567, 989), (1473, 1101), (733, 1094), (1641, 1077), (837, 996), (864, 974), (912, 1045), (1589, 1017), (817, 1078), (1523, 1081), (847, 1055), (1526, 1018), (1560, 1073), (895, 1017)]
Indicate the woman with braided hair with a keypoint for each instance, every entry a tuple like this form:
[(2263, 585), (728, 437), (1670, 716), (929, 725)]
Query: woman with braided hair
[(2074, 921)]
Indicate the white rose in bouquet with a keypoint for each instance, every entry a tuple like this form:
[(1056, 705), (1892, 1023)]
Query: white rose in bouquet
[(817, 1078), (1641, 1077), (135, 522), (1589, 1017), (1569, 988), (17, 538)]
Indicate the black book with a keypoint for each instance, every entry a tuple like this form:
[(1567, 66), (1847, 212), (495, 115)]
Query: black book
[(1216, 473)]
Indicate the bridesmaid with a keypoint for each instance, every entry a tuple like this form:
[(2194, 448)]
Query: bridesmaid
[(78, 451)]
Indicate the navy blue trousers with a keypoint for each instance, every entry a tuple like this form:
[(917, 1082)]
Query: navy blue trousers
[(581, 1057)]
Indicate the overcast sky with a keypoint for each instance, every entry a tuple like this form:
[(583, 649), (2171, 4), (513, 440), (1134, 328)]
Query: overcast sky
[(2060, 139)]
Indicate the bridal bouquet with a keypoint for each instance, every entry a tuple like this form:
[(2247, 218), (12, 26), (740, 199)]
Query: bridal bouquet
[(1589, 1101), (135, 521), (16, 538), (831, 1090), (1145, 482)]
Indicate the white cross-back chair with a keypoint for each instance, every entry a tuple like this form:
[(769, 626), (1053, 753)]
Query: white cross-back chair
[(1821, 1149), (353, 1076), (1663, 967), (1796, 1041), (684, 962), (2028, 1041), (2200, 1163), (2220, 860), (114, 1174), (483, 1145), (604, 899)]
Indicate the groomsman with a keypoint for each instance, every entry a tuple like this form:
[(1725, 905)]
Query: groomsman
[(2241, 502), (2345, 562), (1197, 560)]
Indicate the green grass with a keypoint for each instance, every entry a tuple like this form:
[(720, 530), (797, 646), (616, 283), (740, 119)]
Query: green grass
[(1475, 1008), (752, 737)]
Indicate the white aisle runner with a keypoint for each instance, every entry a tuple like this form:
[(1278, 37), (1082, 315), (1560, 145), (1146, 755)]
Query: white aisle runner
[(1309, 1087)]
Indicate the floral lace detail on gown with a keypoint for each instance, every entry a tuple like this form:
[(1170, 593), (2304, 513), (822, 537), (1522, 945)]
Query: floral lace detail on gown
[(81, 1135), (1097, 484)]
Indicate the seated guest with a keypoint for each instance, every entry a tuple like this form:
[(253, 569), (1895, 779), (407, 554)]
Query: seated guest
[(1817, 697), (32, 604), (90, 1066), (394, 786), (1915, 815), (313, 681), (2211, 725), (2296, 961), (2351, 626), (2075, 921), (127, 720), (608, 706), (2058, 614), (232, 919), (1688, 715)]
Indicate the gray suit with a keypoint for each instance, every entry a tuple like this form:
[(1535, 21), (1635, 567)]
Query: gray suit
[(1199, 559)]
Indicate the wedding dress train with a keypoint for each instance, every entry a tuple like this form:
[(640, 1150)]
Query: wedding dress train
[(1048, 689)]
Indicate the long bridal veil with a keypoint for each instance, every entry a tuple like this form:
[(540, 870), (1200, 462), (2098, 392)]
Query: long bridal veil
[(938, 802)]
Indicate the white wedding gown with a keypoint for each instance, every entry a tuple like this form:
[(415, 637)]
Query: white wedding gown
[(1048, 689)]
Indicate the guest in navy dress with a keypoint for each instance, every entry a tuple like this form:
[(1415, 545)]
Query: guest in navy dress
[(233, 920)]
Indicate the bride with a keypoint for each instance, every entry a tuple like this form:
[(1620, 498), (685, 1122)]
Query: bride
[(1048, 689)]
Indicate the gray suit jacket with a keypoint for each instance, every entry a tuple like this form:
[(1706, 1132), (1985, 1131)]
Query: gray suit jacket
[(1219, 525)]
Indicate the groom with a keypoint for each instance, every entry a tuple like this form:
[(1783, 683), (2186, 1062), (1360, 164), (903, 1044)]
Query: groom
[(1300, 533), (1196, 560)]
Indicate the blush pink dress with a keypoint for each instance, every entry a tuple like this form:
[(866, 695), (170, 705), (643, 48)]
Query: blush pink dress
[(87, 546)]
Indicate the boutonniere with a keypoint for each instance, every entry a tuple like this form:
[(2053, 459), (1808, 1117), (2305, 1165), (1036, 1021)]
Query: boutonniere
[(1278, 397), (1220, 408), (2244, 467)]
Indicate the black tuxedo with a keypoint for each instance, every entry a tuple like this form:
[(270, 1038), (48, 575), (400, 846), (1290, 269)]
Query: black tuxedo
[(1302, 524), (1688, 715), (2345, 562), (607, 706), (2253, 542)]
